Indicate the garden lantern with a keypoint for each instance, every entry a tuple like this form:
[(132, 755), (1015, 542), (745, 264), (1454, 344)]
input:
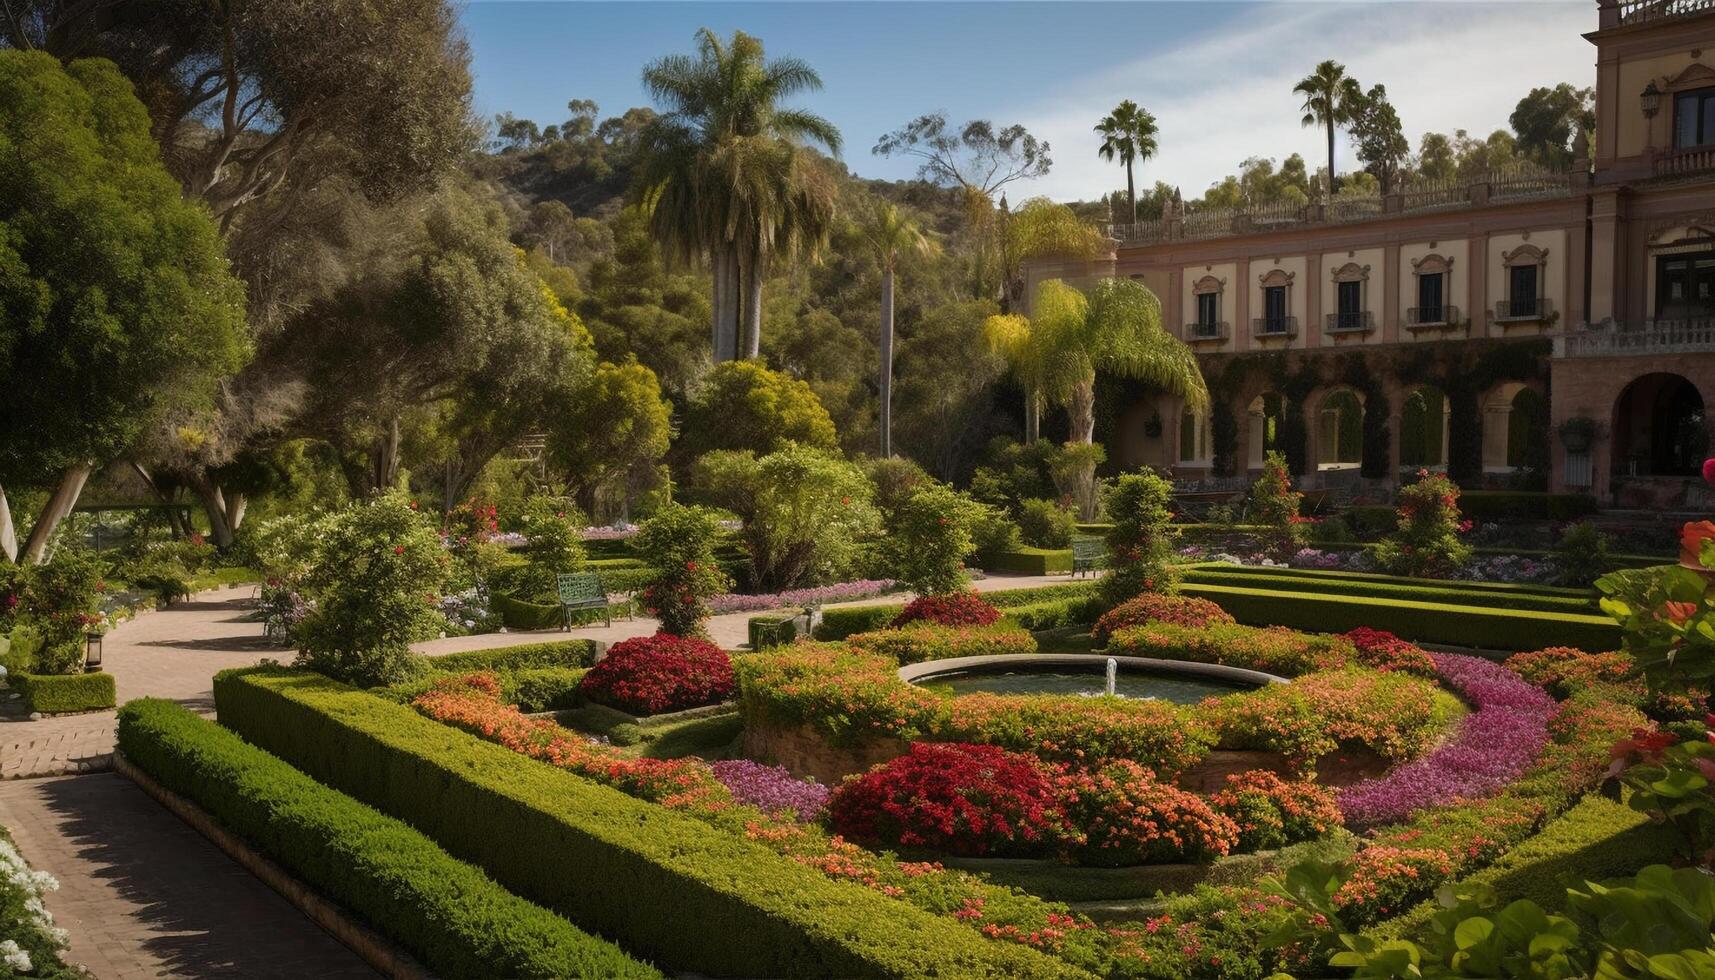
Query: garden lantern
[(92, 651), (1651, 100)]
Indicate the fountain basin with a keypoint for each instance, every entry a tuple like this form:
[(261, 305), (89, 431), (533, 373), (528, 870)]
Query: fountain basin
[(1178, 681)]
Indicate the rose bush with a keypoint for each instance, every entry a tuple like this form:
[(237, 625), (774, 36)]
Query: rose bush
[(677, 543), (1274, 506), (1426, 542), (648, 675), (948, 609)]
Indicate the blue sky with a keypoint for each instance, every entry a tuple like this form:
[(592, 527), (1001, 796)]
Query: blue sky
[(1217, 75)]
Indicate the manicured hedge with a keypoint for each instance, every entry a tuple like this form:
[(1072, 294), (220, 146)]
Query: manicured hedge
[(1421, 622), (1054, 613), (840, 622), (555, 653), (61, 693), (520, 615), (1336, 577), (446, 912), (1028, 561), (1388, 587), (663, 883)]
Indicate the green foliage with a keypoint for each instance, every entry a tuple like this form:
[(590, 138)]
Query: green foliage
[(375, 576), (1489, 595), (53, 694), (101, 257), (1139, 545), (840, 622), (671, 890), (745, 406), (445, 911), (610, 434), (805, 512), (1667, 614), (917, 643), (678, 544), (527, 656), (929, 538), (1426, 541), (553, 529), (1021, 560), (60, 602), (1274, 506), (1012, 473), (1581, 555)]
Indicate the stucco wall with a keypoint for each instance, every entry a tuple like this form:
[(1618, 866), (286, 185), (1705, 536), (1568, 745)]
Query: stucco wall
[(1552, 284), (1456, 290)]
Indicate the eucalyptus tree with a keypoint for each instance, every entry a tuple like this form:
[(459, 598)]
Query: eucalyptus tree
[(1332, 99), (1128, 134), (890, 233), (1114, 329), (725, 174), (1380, 138)]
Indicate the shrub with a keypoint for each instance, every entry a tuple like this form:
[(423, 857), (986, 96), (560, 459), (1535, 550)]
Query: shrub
[(1046, 524), (1566, 671), (1396, 715), (1274, 507), (1581, 555), (61, 602), (841, 692), (995, 533), (919, 642), (1382, 650), (948, 609), (375, 575), (806, 513), (554, 653), (772, 788), (64, 693), (1122, 816), (1425, 543), (33, 946), (961, 799), (1163, 735), (446, 912), (1273, 649), (678, 544), (1152, 607), (649, 675), (929, 537), (745, 405), (545, 688), (553, 546), (1139, 544), (1272, 812)]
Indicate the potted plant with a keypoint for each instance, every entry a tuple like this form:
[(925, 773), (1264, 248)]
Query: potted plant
[(1577, 433)]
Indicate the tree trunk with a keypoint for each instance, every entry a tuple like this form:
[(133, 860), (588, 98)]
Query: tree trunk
[(886, 363), (1130, 193), (1032, 417), (386, 470), (1330, 161), (237, 503), (8, 533), (214, 505), (1082, 409), (752, 318), (59, 504), (722, 289), (730, 305)]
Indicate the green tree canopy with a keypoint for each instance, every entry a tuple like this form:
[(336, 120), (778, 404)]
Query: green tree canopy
[(1546, 120), (744, 405), (117, 308), (608, 436)]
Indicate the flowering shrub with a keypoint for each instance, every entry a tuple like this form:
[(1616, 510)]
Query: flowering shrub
[(1167, 737), (731, 602), (928, 536), (962, 799), (1272, 812), (60, 601), (648, 675), (1396, 715), (553, 546), (1384, 651), (1274, 649), (1384, 880), (919, 642), (32, 944), (1139, 545), (1492, 747), (282, 609), (1274, 506), (948, 609), (771, 789), (1565, 671), (678, 545), (471, 522), (1426, 543), (842, 692), (1120, 815), (1152, 607)]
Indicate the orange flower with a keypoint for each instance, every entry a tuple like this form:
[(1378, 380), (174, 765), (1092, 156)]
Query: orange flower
[(1691, 538), (1676, 612)]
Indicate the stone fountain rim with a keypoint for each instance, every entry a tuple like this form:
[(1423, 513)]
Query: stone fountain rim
[(912, 673)]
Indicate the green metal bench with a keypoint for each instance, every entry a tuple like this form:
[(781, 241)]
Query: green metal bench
[(582, 590), (1088, 554)]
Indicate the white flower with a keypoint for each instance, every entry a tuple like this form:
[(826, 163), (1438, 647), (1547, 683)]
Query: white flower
[(14, 957)]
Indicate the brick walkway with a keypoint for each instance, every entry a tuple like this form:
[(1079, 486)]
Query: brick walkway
[(144, 895)]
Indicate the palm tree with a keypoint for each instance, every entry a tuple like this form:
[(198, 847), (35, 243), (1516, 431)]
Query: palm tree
[(1332, 99), (1128, 132), (725, 176), (1115, 329), (891, 233)]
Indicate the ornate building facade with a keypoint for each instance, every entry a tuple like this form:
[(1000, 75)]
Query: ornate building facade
[(1524, 327)]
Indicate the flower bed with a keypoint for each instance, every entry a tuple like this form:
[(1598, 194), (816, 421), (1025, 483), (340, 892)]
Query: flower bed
[(1274, 650), (732, 602), (649, 675), (919, 642), (1395, 715), (1120, 815), (771, 789), (1273, 812), (948, 609), (1152, 607), (1492, 747)]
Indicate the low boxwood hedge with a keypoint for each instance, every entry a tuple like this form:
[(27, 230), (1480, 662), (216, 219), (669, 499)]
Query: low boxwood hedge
[(1421, 622), (554, 653), (53, 694), (1336, 577), (1028, 561), (840, 622), (446, 912), (517, 614), (1385, 587), (659, 881)]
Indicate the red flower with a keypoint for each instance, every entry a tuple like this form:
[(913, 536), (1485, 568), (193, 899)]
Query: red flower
[(1645, 744), (653, 674), (1709, 471), (1691, 538), (1676, 612), (952, 609), (399, 549)]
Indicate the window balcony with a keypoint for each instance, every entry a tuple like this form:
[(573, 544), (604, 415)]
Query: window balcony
[(1274, 326), (1685, 162), (1632, 339), (1431, 317), (1536, 310), (1212, 331), (1357, 321)]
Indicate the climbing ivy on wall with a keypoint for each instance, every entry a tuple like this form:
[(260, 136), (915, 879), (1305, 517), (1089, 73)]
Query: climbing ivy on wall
[(1354, 371), (1464, 370)]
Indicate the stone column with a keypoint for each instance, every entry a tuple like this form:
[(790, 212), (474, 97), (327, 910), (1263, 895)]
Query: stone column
[(1390, 311), (1312, 333), (1606, 255), (1242, 305)]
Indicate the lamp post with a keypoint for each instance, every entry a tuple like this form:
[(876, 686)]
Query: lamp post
[(92, 651), (1650, 100)]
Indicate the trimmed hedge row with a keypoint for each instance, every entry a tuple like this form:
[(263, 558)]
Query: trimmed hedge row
[(1421, 622), (1336, 577), (1383, 587), (554, 653), (446, 912), (840, 622), (659, 881), (62, 693), (517, 614), (1028, 561)]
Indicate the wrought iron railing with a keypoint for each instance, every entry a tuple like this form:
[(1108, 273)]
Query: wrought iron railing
[(1275, 326), (1621, 339), (1444, 315), (1538, 308), (1206, 331), (1350, 322)]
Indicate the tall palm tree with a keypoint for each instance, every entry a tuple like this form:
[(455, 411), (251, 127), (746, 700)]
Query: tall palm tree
[(1115, 329), (724, 172), (890, 233), (1128, 133), (1333, 99)]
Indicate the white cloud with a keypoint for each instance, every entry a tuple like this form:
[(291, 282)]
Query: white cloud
[(1228, 96)]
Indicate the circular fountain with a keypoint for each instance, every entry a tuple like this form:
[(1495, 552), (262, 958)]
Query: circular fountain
[(1138, 678)]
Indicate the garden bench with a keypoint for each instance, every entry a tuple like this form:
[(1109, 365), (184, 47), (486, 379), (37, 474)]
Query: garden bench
[(1088, 554), (582, 590)]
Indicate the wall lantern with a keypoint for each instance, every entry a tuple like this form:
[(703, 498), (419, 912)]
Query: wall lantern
[(92, 651), (1651, 100)]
